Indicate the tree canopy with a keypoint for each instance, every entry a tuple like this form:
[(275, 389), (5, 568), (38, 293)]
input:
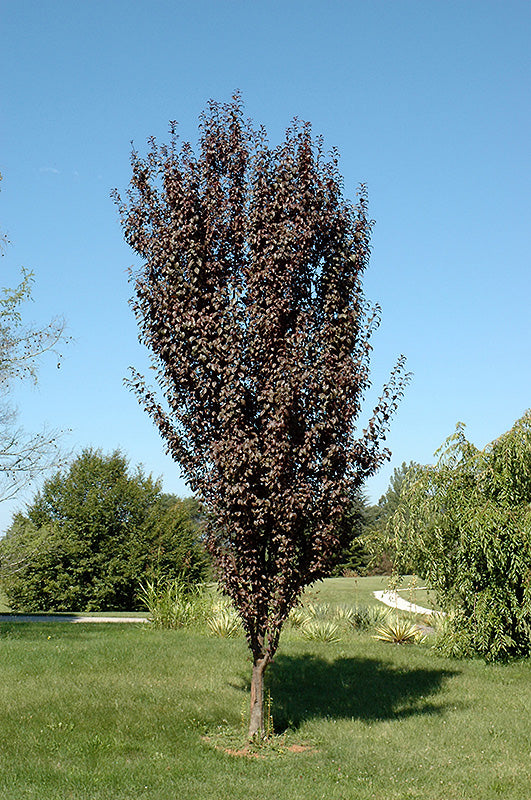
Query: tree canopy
[(250, 301), (465, 526), (23, 455), (92, 534)]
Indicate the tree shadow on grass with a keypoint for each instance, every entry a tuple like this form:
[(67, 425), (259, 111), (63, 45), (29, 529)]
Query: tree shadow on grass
[(305, 687)]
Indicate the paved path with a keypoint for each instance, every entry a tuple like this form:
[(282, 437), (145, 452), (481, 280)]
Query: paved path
[(395, 601), (391, 599), (66, 618)]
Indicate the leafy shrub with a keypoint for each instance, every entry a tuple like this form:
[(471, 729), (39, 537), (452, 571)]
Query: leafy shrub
[(451, 636), (93, 532), (464, 525)]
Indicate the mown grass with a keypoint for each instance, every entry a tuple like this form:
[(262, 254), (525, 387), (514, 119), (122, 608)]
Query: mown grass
[(122, 711), (347, 590), (360, 591)]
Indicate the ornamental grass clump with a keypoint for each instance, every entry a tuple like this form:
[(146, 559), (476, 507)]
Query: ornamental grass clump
[(173, 604), (399, 630), (223, 620)]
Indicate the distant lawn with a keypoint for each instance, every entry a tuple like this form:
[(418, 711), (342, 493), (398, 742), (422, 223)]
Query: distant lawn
[(360, 590), (332, 590), (106, 712), (347, 590), (419, 596)]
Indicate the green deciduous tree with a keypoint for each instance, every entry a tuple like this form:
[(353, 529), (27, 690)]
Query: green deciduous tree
[(250, 300), (465, 526), (376, 539), (23, 455), (388, 502), (92, 533), (172, 544)]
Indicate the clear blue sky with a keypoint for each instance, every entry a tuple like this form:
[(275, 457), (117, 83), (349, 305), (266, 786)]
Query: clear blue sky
[(428, 103)]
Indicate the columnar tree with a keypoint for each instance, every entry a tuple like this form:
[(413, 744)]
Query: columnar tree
[(250, 300)]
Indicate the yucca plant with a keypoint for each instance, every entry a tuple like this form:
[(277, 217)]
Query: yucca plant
[(399, 631), (344, 615), (298, 616), (321, 630), (365, 617), (317, 610), (223, 621)]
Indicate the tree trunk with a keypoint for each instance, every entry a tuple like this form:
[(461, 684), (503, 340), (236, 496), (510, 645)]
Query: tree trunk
[(256, 722)]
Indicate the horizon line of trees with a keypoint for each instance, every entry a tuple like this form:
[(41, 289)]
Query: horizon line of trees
[(93, 533), (97, 529)]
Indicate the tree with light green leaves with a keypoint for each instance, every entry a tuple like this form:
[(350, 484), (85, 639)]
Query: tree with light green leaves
[(464, 525), (23, 455)]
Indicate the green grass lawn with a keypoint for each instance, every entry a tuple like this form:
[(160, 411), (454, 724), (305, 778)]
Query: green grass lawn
[(108, 712), (360, 590), (347, 590)]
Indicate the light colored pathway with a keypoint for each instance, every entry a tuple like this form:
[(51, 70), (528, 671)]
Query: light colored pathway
[(395, 601), (65, 618)]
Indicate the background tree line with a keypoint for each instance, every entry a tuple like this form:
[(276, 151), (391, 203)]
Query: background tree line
[(97, 529), (93, 532), (367, 550)]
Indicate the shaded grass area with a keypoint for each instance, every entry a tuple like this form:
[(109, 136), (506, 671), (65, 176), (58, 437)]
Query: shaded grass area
[(348, 687), (121, 711)]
